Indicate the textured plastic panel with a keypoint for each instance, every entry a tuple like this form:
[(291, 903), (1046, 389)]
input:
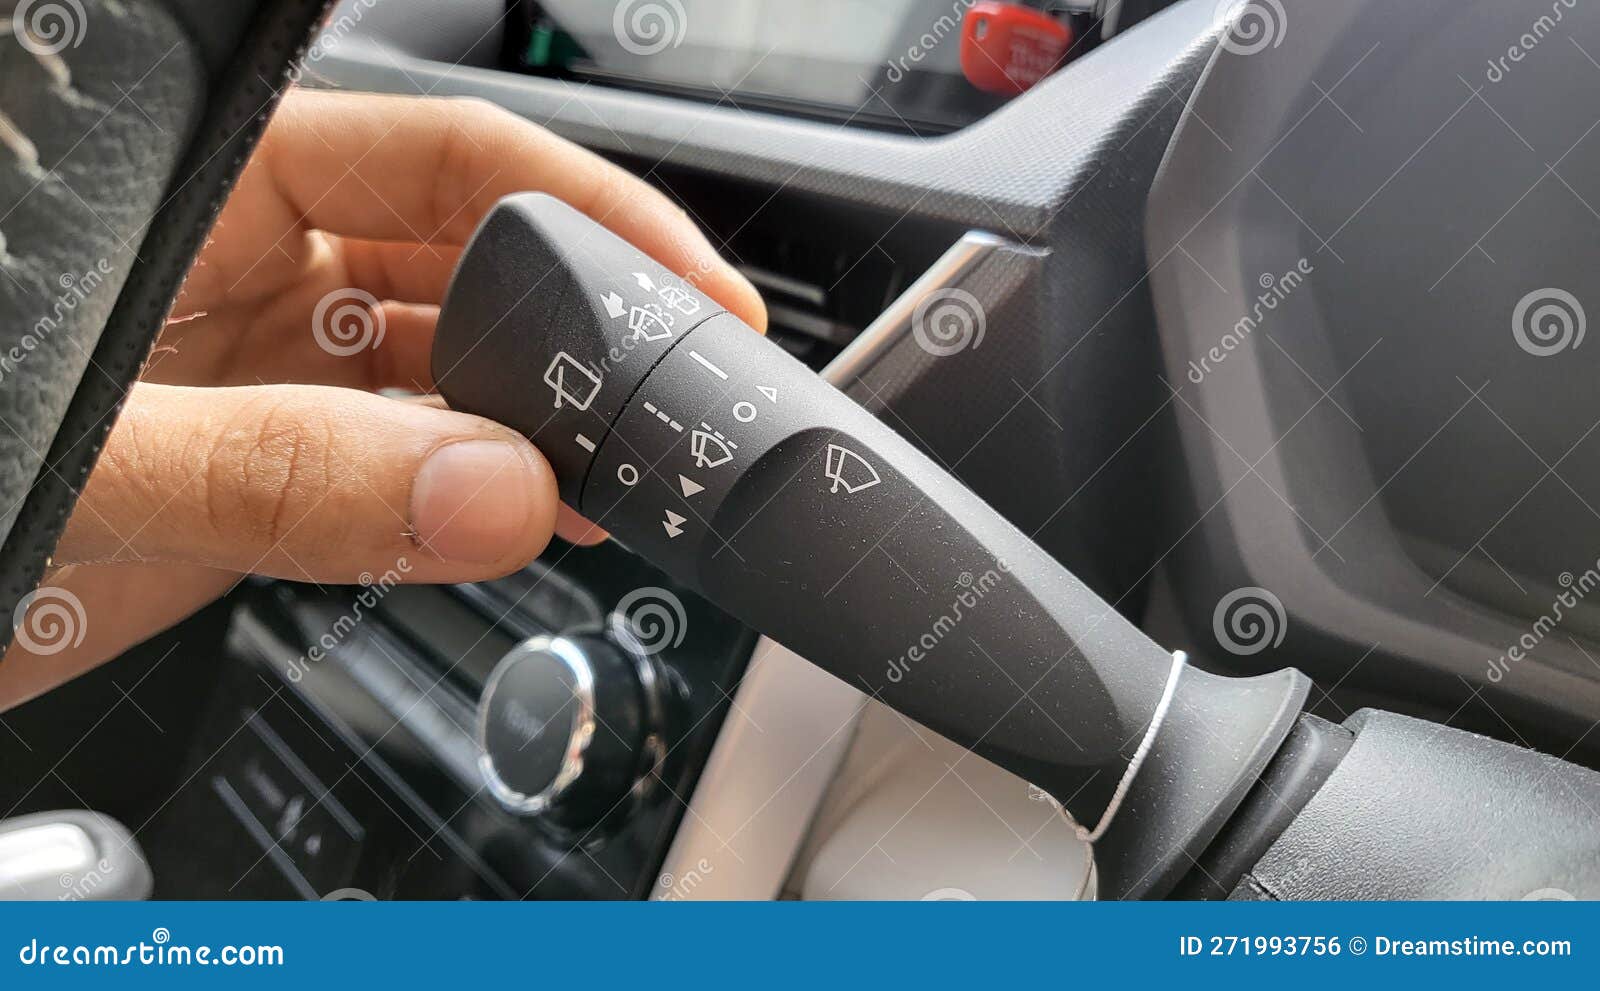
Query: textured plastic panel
[(1342, 240), (1404, 817)]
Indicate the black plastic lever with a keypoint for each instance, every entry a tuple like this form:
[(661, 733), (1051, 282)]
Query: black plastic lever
[(715, 455)]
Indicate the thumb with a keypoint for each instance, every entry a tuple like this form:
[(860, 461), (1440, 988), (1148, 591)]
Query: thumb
[(312, 483)]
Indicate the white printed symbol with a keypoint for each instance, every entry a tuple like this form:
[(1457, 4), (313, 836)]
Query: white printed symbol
[(656, 411), (585, 443), (680, 299), (710, 448), (677, 297), (627, 474), (744, 412), (848, 469), (769, 392), (579, 395), (689, 486), (649, 323), (707, 365), (673, 524)]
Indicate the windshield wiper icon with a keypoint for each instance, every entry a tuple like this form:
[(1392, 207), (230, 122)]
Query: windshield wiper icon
[(849, 470)]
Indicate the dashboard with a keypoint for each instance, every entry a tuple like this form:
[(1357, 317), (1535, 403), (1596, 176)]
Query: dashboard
[(1091, 238)]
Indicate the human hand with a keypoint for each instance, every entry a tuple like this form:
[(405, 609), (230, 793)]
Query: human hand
[(256, 441)]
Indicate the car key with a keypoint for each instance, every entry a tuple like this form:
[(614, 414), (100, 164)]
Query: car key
[(715, 455)]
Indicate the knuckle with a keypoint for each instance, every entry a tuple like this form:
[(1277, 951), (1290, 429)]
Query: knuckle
[(468, 123), (270, 471), (462, 106)]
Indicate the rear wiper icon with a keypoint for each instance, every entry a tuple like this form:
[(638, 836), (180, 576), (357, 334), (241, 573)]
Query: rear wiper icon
[(849, 470)]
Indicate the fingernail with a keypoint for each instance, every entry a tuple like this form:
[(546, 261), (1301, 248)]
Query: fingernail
[(473, 501)]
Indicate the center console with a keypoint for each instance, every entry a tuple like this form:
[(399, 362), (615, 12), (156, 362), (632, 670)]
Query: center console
[(341, 754)]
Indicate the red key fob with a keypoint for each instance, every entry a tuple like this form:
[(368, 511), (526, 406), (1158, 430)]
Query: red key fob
[(1006, 48)]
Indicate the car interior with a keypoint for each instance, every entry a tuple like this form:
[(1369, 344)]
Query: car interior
[(1170, 471)]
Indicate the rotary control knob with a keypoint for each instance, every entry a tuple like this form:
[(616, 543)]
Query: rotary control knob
[(563, 728)]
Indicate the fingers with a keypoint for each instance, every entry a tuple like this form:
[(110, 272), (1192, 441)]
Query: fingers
[(351, 339), (574, 528), (426, 171), (417, 273), (312, 483), (570, 525)]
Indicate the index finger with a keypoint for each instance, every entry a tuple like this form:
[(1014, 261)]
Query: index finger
[(392, 168)]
